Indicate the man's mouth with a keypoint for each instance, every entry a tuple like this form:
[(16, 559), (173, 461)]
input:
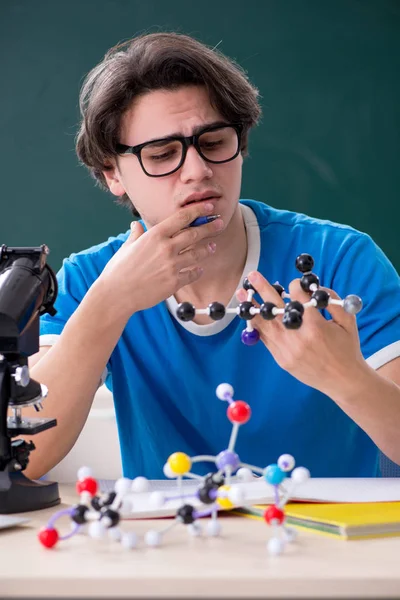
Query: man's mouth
[(196, 198)]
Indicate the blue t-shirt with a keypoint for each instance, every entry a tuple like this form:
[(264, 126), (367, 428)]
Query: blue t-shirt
[(163, 373)]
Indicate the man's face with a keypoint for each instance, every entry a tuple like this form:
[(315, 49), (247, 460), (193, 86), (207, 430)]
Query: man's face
[(160, 114)]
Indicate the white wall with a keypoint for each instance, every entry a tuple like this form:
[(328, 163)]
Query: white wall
[(97, 446)]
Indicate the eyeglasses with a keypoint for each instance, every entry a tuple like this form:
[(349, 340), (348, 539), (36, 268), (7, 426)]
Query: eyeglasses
[(216, 144)]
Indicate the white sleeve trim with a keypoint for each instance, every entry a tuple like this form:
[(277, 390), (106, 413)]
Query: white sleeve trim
[(50, 339), (384, 356)]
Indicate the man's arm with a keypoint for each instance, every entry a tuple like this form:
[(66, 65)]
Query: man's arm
[(326, 355), (372, 399), (146, 269), (71, 369)]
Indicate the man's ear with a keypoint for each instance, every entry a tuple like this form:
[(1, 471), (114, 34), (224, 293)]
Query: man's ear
[(113, 179)]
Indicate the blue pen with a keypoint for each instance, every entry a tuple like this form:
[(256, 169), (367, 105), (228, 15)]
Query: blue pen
[(203, 220)]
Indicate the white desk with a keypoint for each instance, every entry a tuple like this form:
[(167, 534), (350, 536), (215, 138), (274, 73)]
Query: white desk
[(234, 565)]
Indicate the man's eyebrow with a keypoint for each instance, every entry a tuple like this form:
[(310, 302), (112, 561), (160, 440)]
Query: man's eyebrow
[(196, 130)]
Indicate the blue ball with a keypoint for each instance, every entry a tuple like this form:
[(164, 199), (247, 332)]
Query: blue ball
[(249, 338), (274, 475)]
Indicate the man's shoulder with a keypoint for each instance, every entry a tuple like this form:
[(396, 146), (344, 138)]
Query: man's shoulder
[(284, 229), (99, 254), (270, 218)]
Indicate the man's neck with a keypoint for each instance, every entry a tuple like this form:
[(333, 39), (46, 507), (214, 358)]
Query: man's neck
[(223, 270)]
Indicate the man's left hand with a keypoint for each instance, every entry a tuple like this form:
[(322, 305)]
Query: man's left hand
[(324, 354)]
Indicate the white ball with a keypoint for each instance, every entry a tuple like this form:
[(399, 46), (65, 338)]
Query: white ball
[(84, 472), (127, 505), (275, 546), (168, 471), (156, 499), (152, 538), (194, 529), (114, 533), (236, 495), (300, 475), (122, 486), (245, 474), (286, 462), (224, 391), (96, 530), (213, 528), (129, 540), (290, 534), (140, 484)]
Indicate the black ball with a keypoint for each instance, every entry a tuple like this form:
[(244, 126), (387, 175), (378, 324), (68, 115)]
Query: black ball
[(214, 479), (112, 515), (185, 513), (322, 298), (279, 288), (78, 514), (294, 305), (217, 311), (307, 280), (247, 285), (109, 499), (244, 310), (266, 311), (304, 263), (185, 311), (204, 494), (292, 319), (96, 503)]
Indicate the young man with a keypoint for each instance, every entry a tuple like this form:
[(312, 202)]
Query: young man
[(165, 124)]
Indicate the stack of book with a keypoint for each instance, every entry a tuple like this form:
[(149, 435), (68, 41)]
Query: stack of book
[(348, 521)]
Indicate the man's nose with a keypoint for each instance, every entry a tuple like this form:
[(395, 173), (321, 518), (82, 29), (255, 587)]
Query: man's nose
[(195, 167)]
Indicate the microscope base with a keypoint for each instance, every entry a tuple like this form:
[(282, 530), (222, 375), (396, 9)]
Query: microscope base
[(20, 494)]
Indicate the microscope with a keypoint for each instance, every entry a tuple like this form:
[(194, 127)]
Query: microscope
[(28, 289)]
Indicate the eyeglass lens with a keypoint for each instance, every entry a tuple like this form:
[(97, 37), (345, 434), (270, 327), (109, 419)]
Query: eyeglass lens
[(160, 158)]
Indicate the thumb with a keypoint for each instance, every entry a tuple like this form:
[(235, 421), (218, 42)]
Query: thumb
[(136, 231)]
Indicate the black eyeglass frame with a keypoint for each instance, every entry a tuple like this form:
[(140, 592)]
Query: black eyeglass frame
[(191, 140)]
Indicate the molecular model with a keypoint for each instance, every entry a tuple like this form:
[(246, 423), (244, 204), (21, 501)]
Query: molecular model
[(292, 312), (101, 513), (215, 489)]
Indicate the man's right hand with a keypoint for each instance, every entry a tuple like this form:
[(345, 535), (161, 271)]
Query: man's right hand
[(153, 265)]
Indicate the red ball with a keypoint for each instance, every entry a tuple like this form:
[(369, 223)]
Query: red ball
[(87, 485), (274, 514), (48, 537), (238, 412)]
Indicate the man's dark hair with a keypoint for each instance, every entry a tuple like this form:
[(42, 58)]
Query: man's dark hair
[(150, 62)]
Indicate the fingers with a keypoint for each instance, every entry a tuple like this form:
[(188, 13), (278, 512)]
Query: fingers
[(191, 236), (184, 216), (339, 315), (265, 289), (187, 276), (136, 231), (191, 257), (297, 294), (268, 294)]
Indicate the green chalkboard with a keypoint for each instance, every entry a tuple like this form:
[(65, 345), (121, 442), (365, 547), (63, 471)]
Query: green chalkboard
[(328, 73)]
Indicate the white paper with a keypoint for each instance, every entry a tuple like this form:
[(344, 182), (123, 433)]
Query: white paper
[(260, 492), (7, 521)]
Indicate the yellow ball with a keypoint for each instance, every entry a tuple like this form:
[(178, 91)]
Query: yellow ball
[(179, 463), (225, 502)]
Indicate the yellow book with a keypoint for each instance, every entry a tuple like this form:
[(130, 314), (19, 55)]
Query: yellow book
[(349, 521)]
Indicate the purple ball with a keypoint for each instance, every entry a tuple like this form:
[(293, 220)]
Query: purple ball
[(249, 338), (227, 458)]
